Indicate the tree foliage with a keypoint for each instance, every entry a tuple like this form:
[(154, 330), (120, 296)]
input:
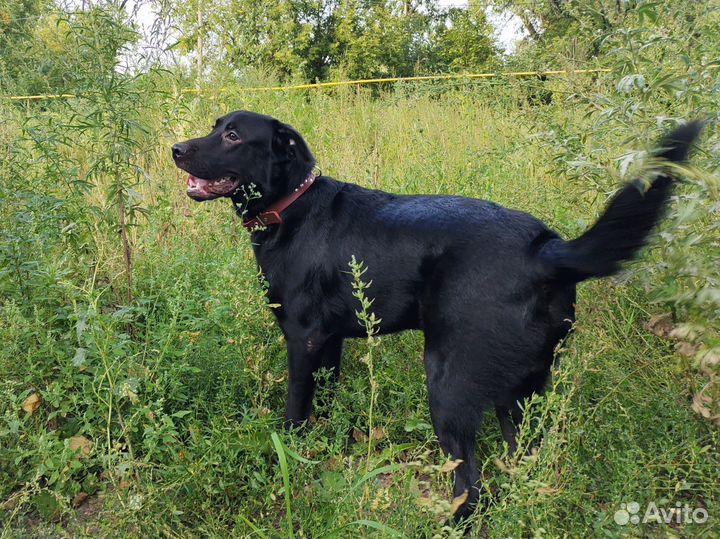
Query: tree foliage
[(316, 39), (43, 49)]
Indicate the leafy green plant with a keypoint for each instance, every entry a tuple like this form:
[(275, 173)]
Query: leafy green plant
[(367, 319)]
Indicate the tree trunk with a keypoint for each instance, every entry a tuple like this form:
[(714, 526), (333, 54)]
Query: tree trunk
[(127, 252), (527, 22), (199, 45)]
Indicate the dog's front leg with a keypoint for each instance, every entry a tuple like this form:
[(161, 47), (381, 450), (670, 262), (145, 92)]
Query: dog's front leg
[(302, 363), (305, 357)]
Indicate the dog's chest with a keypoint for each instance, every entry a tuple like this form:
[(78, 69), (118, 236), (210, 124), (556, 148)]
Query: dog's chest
[(300, 279)]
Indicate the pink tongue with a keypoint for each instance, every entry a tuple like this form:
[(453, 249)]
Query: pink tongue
[(194, 182)]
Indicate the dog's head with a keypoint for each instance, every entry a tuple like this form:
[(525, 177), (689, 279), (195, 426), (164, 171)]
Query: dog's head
[(243, 148)]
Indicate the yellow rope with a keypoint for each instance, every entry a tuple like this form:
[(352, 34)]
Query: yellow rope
[(44, 96), (352, 82)]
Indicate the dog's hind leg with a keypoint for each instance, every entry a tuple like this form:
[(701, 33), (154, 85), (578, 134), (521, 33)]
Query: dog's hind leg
[(456, 421), (510, 419), (510, 412), (509, 409)]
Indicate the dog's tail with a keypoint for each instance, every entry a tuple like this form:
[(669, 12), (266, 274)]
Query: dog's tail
[(627, 222)]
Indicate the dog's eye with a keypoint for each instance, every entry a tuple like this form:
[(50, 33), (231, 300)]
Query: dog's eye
[(232, 136)]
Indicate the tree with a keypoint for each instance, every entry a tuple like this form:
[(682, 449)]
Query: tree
[(392, 38), (293, 38), (316, 39), (465, 42), (571, 29), (17, 20), (54, 52)]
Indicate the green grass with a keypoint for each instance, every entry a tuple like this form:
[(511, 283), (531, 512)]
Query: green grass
[(181, 394)]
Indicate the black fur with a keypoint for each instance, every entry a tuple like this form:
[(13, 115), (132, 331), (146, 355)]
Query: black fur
[(492, 288), (626, 224)]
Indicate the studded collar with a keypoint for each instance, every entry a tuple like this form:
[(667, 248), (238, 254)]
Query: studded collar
[(271, 215)]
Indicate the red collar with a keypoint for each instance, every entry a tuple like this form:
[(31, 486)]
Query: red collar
[(271, 216)]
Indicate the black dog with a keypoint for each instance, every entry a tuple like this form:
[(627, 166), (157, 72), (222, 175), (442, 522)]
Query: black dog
[(493, 289)]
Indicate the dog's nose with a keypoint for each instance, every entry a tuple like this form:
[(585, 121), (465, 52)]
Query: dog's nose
[(180, 149)]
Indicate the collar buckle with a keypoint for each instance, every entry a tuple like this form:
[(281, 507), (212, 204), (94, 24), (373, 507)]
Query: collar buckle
[(271, 216)]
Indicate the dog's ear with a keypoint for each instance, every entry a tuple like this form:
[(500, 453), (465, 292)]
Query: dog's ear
[(288, 143)]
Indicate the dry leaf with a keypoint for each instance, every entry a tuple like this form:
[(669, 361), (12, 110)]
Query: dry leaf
[(686, 349), (450, 465), (684, 331), (502, 466), (12, 502), (546, 490), (698, 405), (378, 433), (79, 499), (32, 403), (425, 500), (458, 501), (710, 361), (660, 324), (81, 443), (385, 480)]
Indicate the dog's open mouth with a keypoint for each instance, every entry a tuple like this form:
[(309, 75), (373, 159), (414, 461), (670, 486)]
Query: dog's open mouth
[(201, 189)]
